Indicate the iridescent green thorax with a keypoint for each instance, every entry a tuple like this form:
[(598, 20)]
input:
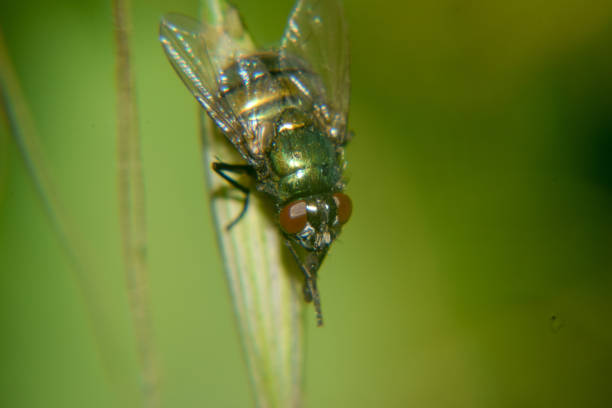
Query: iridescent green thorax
[(305, 162)]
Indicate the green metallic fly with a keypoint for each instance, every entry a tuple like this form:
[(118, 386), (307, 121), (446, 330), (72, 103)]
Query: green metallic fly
[(285, 110)]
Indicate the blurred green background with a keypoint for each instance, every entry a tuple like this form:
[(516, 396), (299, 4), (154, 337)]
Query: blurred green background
[(476, 271)]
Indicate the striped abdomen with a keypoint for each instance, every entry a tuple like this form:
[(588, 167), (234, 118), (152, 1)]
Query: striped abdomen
[(260, 87)]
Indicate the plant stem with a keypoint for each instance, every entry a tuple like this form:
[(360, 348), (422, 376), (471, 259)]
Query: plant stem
[(264, 282), (16, 112), (132, 206)]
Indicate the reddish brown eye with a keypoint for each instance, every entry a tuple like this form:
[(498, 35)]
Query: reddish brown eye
[(293, 217), (344, 207)]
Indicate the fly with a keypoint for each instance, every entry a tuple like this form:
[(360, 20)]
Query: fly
[(285, 111)]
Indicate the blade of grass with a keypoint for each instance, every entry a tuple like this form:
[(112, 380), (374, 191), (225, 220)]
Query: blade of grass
[(4, 153), (265, 288), (23, 131), (264, 282), (132, 206)]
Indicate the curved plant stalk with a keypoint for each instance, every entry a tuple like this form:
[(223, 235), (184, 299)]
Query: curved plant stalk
[(132, 218), (4, 153), (264, 282), (23, 131)]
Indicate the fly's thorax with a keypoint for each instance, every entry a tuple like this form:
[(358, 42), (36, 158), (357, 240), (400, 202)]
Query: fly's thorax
[(305, 162)]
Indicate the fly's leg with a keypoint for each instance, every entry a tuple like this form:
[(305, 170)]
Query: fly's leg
[(220, 168)]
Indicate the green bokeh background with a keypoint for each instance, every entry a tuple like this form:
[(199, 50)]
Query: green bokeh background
[(476, 271)]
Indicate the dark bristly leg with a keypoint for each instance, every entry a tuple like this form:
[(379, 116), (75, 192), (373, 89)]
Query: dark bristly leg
[(220, 168)]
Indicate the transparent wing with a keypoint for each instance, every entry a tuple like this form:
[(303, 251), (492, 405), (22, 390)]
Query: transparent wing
[(198, 52), (255, 95), (317, 32)]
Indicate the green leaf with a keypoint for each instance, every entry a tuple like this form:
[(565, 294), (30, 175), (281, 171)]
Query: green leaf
[(264, 281)]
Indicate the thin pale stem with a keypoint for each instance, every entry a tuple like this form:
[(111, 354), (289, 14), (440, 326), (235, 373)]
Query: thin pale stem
[(213, 14), (132, 206)]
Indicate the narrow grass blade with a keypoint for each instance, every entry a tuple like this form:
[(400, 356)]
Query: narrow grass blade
[(23, 131), (264, 282), (132, 206), (266, 289), (4, 153)]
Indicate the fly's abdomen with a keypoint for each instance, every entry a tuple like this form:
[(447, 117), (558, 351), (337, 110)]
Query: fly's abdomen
[(260, 87)]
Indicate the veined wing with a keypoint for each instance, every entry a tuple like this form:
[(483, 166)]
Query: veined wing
[(317, 32), (256, 93), (198, 53)]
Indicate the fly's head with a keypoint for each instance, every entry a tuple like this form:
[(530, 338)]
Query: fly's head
[(312, 224)]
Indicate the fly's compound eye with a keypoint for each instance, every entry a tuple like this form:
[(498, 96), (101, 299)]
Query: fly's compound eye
[(344, 207), (293, 217)]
